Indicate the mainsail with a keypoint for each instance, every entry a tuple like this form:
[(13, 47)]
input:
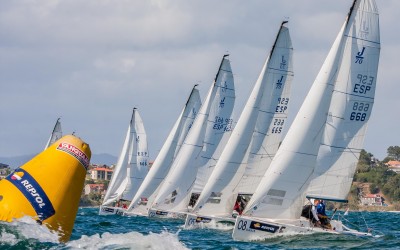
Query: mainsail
[(55, 135), (168, 152), (256, 136), (211, 123), (351, 106), (138, 159), (280, 193), (133, 154)]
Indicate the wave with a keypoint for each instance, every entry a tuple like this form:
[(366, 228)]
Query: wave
[(131, 240), (223, 226), (24, 229)]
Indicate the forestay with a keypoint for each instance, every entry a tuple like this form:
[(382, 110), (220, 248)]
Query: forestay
[(162, 163), (256, 136), (351, 106), (212, 121)]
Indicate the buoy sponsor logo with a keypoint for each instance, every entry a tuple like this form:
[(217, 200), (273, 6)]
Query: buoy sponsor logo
[(263, 227), (203, 220), (162, 213), (17, 176), (75, 152), (33, 192)]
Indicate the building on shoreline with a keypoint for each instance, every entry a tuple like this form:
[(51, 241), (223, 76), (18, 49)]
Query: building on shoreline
[(394, 166)]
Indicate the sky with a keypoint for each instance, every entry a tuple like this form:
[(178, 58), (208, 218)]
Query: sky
[(90, 62)]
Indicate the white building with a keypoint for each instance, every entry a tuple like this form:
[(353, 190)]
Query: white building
[(101, 173), (94, 188), (394, 166), (372, 200)]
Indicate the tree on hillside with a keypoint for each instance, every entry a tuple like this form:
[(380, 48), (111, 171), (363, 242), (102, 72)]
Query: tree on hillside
[(364, 162), (392, 187), (394, 152)]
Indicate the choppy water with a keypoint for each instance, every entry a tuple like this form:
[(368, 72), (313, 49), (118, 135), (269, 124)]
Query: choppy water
[(92, 231)]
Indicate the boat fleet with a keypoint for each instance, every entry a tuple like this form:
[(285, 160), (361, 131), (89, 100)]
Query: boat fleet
[(212, 169)]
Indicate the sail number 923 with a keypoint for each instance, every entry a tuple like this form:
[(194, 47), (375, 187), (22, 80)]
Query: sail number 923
[(359, 111), (281, 108)]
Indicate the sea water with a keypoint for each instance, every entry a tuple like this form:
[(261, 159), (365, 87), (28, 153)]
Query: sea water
[(92, 231)]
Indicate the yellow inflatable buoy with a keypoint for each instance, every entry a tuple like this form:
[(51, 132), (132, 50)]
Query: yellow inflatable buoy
[(48, 187)]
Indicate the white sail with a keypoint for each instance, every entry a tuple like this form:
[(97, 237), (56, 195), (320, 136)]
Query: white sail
[(167, 153), (351, 107), (56, 134), (119, 178), (192, 107), (279, 196), (256, 136), (138, 163), (132, 165), (211, 123)]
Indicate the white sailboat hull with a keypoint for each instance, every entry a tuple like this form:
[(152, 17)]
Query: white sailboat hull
[(165, 214), (194, 221), (253, 229), (109, 210)]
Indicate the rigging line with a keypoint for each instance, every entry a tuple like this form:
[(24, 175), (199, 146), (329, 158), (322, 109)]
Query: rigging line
[(362, 216)]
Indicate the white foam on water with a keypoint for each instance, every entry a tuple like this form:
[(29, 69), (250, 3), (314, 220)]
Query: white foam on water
[(8, 238), (131, 240), (27, 228), (212, 225)]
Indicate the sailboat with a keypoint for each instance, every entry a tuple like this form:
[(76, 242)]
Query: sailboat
[(147, 191), (212, 124), (323, 144), (131, 168), (253, 142), (55, 135)]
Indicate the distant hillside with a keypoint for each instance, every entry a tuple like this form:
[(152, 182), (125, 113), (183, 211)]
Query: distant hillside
[(103, 159), (17, 161)]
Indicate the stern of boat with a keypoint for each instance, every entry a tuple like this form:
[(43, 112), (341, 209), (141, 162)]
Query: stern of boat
[(105, 210), (194, 221), (248, 229)]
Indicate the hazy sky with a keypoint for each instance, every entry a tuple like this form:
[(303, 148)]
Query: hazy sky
[(90, 62)]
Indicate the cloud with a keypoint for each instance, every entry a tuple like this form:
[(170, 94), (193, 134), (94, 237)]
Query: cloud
[(92, 61)]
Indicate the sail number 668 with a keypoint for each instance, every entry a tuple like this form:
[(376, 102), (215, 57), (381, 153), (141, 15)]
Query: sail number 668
[(359, 116)]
